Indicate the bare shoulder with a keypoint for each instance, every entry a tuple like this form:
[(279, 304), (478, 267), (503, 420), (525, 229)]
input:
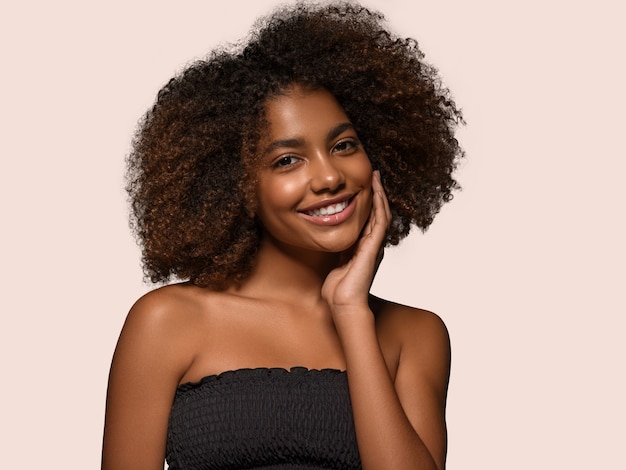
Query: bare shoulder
[(164, 322), (414, 337), (409, 325), (152, 354), (164, 308)]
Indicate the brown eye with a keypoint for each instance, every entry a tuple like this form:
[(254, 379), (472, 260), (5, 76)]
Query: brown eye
[(285, 161), (346, 146)]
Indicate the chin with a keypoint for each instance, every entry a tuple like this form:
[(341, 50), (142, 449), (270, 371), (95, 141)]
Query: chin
[(338, 247)]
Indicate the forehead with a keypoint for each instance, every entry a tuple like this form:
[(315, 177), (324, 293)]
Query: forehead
[(300, 112)]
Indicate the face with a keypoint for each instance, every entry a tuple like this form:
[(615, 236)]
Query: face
[(314, 186)]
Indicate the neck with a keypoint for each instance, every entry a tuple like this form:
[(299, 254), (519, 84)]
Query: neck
[(288, 273)]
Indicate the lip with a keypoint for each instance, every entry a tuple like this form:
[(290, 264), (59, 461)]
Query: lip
[(327, 202), (334, 219)]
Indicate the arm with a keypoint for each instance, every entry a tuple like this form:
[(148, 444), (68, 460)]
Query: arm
[(399, 424), (147, 366)]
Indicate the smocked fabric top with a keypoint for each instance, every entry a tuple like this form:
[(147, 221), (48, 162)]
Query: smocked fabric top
[(266, 418)]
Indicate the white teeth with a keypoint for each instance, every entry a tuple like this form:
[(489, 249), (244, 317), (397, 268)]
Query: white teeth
[(329, 210)]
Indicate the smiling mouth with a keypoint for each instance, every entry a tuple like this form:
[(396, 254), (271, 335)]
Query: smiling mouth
[(329, 210)]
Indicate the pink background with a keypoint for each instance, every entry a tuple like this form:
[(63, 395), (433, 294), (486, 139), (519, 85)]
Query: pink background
[(526, 266)]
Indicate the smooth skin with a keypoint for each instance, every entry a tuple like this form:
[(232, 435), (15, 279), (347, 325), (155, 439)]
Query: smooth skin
[(306, 303)]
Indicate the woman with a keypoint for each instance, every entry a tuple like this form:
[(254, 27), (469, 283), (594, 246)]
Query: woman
[(257, 180)]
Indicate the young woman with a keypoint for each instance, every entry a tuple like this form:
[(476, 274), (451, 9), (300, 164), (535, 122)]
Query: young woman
[(267, 178)]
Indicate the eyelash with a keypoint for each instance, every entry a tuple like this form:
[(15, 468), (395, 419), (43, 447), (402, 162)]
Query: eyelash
[(353, 145), (289, 160), (285, 159)]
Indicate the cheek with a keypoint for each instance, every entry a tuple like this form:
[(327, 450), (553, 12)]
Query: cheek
[(363, 170), (276, 197), (278, 194), (289, 190)]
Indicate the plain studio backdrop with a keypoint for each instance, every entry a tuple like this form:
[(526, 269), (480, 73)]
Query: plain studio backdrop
[(526, 265)]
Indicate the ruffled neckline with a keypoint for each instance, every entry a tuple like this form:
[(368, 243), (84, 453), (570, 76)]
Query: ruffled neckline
[(260, 372)]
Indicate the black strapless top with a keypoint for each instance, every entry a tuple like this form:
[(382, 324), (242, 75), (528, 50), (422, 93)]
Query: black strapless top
[(266, 418)]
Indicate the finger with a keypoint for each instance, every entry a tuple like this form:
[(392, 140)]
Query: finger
[(378, 186), (377, 224), (380, 205)]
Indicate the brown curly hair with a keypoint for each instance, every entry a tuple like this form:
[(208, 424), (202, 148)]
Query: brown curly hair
[(191, 172)]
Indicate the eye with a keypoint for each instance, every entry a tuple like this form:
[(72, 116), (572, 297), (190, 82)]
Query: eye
[(346, 146), (285, 161)]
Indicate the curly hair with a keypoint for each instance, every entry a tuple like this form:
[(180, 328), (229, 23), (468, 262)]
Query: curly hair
[(191, 172)]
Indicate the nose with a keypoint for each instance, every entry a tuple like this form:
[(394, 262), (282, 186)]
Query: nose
[(325, 174)]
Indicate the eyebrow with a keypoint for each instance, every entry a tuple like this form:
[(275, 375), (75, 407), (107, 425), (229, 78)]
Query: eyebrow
[(332, 134), (338, 130)]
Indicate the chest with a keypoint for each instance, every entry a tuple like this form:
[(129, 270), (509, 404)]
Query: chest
[(264, 418)]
